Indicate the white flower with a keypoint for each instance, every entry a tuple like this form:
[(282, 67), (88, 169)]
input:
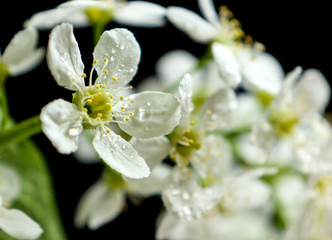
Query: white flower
[(235, 61), (88, 12), (13, 221), (105, 199), (295, 115), (201, 159), (21, 54), (142, 115)]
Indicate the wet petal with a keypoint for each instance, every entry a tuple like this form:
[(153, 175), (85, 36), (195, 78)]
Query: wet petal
[(64, 58), (62, 124), (122, 54), (155, 114), (119, 154)]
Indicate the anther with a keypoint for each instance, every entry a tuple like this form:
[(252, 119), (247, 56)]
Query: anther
[(106, 72), (122, 108), (100, 115), (95, 61), (208, 111), (105, 59), (121, 98), (132, 101), (115, 79), (103, 86), (97, 86), (108, 130), (99, 94), (85, 110), (127, 119), (73, 79), (108, 107), (111, 96), (131, 114), (89, 101), (83, 75), (130, 87)]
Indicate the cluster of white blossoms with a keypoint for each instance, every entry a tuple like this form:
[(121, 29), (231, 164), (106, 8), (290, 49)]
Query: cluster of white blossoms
[(235, 148)]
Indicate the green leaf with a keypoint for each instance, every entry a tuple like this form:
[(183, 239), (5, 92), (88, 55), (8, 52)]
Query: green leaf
[(37, 198)]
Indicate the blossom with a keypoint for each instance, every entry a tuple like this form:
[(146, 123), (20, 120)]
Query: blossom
[(21, 55), (200, 159), (295, 115), (89, 12), (234, 53), (105, 199), (94, 106), (14, 222)]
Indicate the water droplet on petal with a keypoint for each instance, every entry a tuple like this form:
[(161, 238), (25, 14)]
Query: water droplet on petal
[(112, 58)]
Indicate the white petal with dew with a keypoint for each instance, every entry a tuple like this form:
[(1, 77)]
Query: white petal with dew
[(313, 91), (122, 53), (142, 14), (228, 65), (192, 24), (184, 97), (62, 124), (155, 114), (98, 206), (183, 196), (119, 154), (19, 225), (64, 58), (153, 150)]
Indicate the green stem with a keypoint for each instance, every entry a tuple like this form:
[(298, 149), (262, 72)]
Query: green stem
[(21, 131), (97, 29), (3, 104)]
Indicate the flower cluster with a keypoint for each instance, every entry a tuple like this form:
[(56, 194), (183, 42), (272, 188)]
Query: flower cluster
[(228, 140)]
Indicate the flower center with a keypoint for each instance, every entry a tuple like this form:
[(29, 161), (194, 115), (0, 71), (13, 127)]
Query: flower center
[(184, 142), (99, 16), (283, 120), (96, 104)]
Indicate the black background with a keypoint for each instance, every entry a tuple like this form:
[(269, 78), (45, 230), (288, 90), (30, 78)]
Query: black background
[(296, 34)]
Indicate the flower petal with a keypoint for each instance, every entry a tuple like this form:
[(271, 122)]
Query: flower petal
[(122, 53), (151, 185), (184, 197), (192, 24), (261, 71), (98, 206), (172, 66), (184, 97), (64, 58), (228, 65), (209, 12), (62, 124), (152, 150), (215, 110), (47, 19), (140, 13), (119, 154), (85, 153), (10, 187), (155, 114), (318, 96), (21, 54), (19, 225)]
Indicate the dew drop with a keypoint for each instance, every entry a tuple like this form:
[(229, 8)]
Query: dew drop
[(62, 59), (112, 58), (122, 47)]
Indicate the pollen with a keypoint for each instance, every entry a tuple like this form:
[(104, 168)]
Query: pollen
[(208, 111)]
